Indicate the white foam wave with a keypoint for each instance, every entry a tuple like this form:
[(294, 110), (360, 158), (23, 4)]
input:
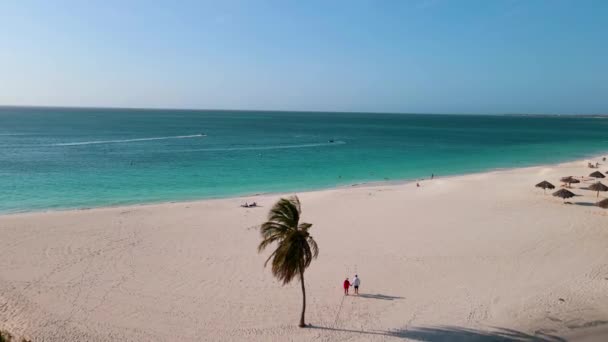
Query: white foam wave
[(128, 140)]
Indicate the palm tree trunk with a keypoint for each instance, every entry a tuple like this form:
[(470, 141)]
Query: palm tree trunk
[(302, 324)]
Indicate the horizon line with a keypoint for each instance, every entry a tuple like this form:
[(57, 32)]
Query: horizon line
[(286, 111)]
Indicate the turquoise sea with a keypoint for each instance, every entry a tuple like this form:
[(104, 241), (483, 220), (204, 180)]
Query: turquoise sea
[(55, 158)]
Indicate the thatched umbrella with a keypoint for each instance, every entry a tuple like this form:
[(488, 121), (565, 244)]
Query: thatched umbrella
[(597, 174), (598, 187), (545, 185), (569, 180), (563, 194), (603, 203)]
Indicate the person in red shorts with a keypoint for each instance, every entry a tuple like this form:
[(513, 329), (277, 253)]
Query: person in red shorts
[(346, 286)]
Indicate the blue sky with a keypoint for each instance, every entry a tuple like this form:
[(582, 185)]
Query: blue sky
[(420, 56)]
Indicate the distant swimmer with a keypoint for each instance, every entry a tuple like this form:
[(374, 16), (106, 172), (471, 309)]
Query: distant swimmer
[(331, 140)]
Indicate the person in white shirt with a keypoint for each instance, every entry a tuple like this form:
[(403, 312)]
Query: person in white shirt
[(356, 283)]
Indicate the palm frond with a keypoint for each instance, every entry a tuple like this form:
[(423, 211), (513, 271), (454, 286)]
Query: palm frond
[(286, 211), (270, 257), (267, 241), (313, 246), (304, 226), (273, 231), (295, 247), (296, 202)]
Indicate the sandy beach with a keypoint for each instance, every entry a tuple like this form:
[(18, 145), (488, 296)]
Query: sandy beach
[(480, 257)]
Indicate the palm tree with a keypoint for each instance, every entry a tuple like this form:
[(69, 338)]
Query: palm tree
[(295, 247)]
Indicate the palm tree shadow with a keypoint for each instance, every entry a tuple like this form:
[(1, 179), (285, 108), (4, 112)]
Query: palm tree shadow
[(455, 334), (378, 296), (585, 204), (458, 334)]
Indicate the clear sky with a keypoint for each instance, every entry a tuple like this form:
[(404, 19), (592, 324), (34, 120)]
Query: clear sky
[(437, 56)]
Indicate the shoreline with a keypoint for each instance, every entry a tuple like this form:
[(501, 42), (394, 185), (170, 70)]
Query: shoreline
[(364, 184)]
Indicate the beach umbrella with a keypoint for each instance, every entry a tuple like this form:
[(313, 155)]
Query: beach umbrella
[(603, 203), (598, 187), (597, 174), (569, 180), (563, 194), (545, 185)]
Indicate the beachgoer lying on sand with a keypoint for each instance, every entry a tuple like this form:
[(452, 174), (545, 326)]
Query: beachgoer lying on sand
[(356, 283), (346, 286)]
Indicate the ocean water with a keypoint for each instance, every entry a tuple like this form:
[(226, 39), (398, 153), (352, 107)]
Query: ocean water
[(72, 158)]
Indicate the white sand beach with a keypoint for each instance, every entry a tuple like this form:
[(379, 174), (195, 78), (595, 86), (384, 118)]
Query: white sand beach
[(475, 257)]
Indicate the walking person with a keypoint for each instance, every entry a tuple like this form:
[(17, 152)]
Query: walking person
[(346, 286), (356, 283)]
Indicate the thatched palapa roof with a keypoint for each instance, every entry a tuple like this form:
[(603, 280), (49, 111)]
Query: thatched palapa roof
[(563, 193), (569, 180), (603, 203), (597, 174), (545, 185), (598, 187)]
